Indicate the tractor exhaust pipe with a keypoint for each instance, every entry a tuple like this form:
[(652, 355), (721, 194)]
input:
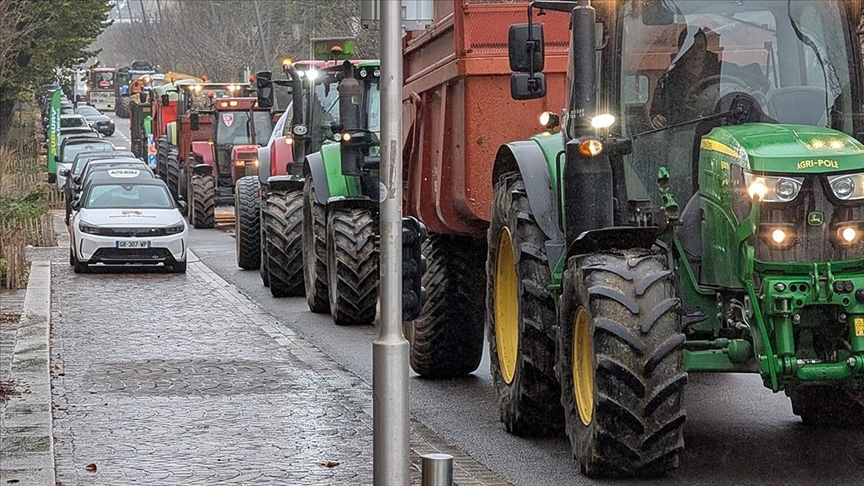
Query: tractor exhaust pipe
[(583, 102)]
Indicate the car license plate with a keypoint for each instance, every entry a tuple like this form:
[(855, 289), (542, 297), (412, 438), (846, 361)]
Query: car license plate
[(132, 244)]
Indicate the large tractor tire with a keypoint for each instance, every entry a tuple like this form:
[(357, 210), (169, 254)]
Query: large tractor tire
[(284, 233), (262, 267), (825, 405), (247, 234), (315, 250), (203, 204), (447, 338), (520, 315), (352, 266), (172, 171), (122, 108), (162, 147), (620, 364)]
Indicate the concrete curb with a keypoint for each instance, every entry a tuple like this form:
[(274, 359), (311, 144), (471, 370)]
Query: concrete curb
[(26, 435)]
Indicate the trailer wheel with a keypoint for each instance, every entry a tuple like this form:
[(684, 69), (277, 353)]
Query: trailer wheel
[(203, 201), (520, 315), (620, 364), (314, 250), (352, 266), (447, 338), (822, 405), (247, 233), (284, 246)]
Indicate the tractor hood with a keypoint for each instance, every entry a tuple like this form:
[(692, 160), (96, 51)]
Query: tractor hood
[(244, 152), (788, 149)]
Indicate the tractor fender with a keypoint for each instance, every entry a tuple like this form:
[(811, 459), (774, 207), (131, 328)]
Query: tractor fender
[(353, 202), (203, 151), (615, 238), (285, 183), (528, 159), (263, 164), (314, 166), (281, 156), (202, 169)]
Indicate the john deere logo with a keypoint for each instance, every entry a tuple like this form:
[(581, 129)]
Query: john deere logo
[(816, 218)]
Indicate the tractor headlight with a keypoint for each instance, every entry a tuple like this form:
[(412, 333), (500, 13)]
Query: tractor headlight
[(847, 187), (773, 188)]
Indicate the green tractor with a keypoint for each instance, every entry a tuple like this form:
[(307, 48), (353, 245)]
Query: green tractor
[(340, 205), (603, 292)]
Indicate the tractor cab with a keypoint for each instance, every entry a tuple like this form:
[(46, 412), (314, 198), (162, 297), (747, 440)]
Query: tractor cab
[(239, 129)]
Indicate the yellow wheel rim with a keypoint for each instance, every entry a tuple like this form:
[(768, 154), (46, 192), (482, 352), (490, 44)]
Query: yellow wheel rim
[(506, 307), (583, 366)]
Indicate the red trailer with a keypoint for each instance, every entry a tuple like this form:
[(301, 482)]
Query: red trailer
[(457, 109)]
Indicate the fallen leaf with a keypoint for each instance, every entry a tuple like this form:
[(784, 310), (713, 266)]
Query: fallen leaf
[(330, 463), (91, 467)]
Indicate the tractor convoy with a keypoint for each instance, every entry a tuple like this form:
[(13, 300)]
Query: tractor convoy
[(691, 200)]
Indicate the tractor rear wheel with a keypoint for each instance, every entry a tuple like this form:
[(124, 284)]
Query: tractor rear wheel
[(122, 109), (262, 267), (172, 169), (447, 338), (828, 405), (203, 208), (284, 249), (352, 266), (162, 147), (314, 249), (620, 364), (520, 314), (247, 234)]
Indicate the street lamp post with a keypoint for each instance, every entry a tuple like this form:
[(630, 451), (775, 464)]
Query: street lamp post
[(391, 455)]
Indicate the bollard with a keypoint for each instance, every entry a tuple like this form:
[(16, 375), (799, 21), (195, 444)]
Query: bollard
[(437, 470)]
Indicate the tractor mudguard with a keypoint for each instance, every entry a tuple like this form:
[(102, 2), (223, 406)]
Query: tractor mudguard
[(263, 164), (615, 238), (315, 167), (285, 183), (353, 202), (202, 169), (204, 152)]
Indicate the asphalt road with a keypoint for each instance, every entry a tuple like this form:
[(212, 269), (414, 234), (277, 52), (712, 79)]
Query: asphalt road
[(737, 432)]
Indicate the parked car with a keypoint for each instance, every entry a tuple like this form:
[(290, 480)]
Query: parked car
[(104, 124), (72, 147), (73, 121), (117, 168), (121, 221)]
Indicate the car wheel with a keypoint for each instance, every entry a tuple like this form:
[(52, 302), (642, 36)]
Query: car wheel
[(81, 267), (72, 260), (179, 267)]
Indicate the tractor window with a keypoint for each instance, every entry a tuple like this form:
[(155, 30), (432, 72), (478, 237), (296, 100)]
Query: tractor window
[(233, 128), (789, 56), (325, 111), (263, 127), (373, 106)]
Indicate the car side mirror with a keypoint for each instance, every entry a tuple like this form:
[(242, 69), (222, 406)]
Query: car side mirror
[(57, 158), (194, 122), (526, 52), (166, 100), (182, 204), (66, 172), (526, 86)]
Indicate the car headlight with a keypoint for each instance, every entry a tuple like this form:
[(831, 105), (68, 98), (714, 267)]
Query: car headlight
[(175, 229), (93, 230), (773, 188), (848, 187)]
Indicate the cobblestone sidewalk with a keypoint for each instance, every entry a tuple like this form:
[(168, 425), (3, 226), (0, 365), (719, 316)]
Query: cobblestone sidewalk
[(172, 379)]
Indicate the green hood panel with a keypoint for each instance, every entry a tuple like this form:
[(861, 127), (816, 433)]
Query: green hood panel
[(787, 148)]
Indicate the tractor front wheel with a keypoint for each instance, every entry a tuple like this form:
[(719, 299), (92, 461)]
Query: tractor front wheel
[(247, 233), (828, 405), (447, 338), (284, 233), (262, 267), (203, 204), (352, 266), (620, 364), (520, 314), (315, 249)]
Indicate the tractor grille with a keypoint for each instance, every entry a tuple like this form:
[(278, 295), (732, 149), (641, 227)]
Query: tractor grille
[(811, 243)]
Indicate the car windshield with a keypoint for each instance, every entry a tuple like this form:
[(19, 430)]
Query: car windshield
[(788, 56), (72, 122), (88, 111), (70, 151), (128, 196), (235, 128)]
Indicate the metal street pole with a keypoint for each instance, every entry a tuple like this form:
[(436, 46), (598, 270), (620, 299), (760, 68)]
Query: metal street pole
[(391, 459)]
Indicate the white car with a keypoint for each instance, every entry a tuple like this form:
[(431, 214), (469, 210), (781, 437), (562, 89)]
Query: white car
[(125, 221)]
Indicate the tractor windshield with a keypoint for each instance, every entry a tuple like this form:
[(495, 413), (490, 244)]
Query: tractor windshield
[(236, 128), (790, 56), (324, 110), (373, 106)]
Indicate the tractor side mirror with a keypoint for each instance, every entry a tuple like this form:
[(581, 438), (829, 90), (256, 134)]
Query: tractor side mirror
[(525, 48), (143, 96), (527, 86), (194, 121), (166, 100), (264, 88)]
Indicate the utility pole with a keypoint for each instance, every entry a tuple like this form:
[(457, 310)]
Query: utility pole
[(391, 442), (266, 53)]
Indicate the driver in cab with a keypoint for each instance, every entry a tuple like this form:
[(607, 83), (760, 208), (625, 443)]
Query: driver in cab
[(693, 63)]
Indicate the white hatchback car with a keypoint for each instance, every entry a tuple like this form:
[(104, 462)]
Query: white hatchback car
[(127, 222)]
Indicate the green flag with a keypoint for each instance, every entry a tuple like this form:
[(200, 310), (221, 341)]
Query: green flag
[(53, 133)]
